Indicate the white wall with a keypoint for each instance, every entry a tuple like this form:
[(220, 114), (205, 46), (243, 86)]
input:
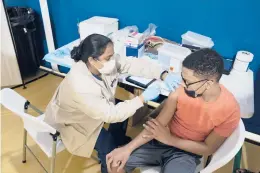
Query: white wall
[(10, 73)]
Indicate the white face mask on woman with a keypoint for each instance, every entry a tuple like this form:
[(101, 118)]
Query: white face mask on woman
[(108, 67)]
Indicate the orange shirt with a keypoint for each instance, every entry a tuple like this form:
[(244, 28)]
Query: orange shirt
[(195, 119)]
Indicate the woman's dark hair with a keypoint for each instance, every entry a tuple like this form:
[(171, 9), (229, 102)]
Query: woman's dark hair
[(206, 63), (92, 46)]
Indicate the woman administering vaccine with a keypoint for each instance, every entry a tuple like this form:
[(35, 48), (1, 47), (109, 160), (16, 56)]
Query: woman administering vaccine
[(84, 101)]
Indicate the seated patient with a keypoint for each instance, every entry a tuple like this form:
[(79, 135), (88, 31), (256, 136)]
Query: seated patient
[(195, 121)]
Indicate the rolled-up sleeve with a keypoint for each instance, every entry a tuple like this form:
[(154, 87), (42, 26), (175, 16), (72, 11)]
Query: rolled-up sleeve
[(98, 107), (142, 67)]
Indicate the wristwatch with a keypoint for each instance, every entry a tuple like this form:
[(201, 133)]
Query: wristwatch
[(165, 71)]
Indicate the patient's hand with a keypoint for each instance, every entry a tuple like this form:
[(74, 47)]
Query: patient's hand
[(115, 170), (158, 131), (117, 159)]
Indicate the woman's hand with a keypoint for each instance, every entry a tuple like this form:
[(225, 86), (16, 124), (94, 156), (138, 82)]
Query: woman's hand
[(151, 93), (118, 158), (158, 131), (173, 81)]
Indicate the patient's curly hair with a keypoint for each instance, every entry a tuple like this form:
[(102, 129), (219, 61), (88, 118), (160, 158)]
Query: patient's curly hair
[(206, 63)]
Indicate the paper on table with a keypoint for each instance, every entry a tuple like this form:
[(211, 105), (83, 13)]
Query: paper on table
[(141, 80)]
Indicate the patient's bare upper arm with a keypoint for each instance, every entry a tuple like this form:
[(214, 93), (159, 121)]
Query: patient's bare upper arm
[(168, 109)]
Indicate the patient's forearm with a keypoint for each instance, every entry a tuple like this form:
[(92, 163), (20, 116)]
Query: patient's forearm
[(207, 147), (199, 148), (138, 141)]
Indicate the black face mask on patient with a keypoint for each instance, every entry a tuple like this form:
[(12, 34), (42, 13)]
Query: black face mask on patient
[(192, 93)]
